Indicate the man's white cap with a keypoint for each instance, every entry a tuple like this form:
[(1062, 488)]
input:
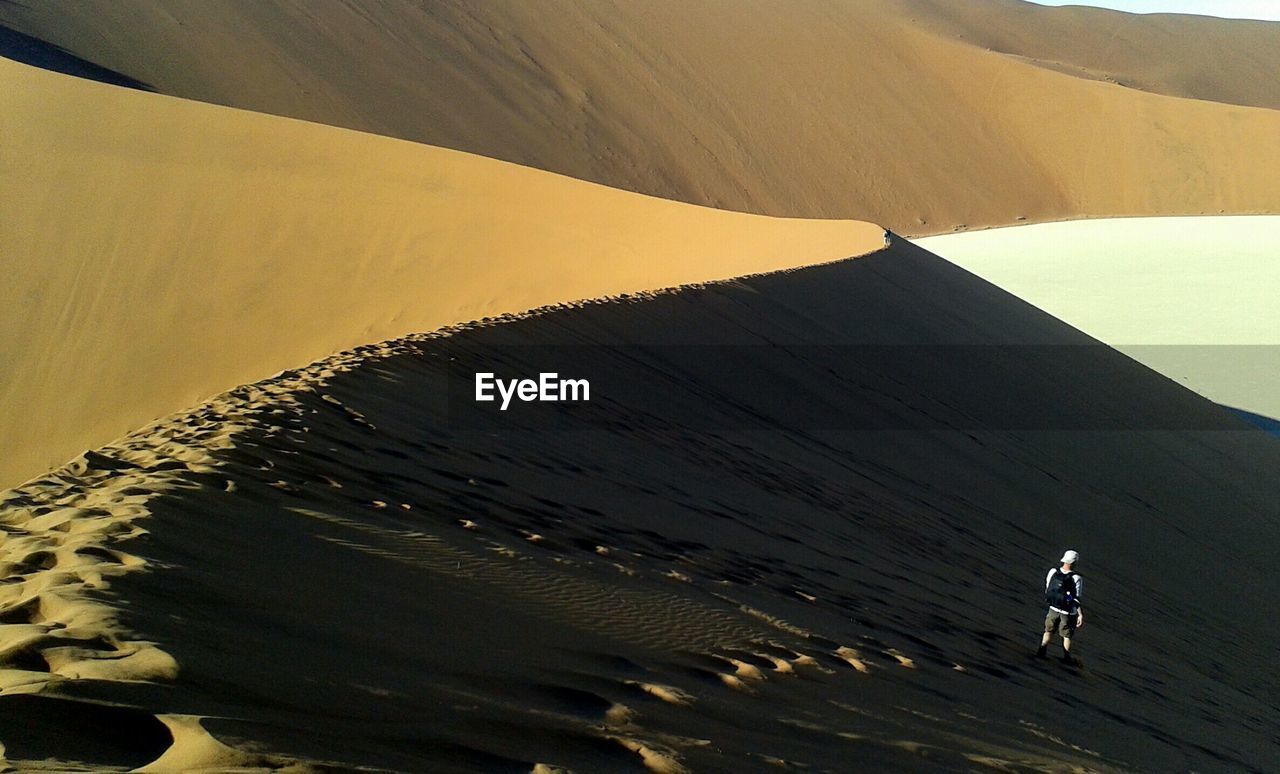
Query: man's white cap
[(1070, 557)]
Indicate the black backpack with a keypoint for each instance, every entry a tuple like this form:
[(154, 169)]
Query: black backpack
[(1061, 592)]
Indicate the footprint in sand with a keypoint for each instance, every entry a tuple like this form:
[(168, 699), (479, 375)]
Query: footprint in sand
[(658, 761), (742, 669), (667, 693), (853, 659)]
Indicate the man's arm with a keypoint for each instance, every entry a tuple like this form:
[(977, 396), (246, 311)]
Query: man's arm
[(1079, 604)]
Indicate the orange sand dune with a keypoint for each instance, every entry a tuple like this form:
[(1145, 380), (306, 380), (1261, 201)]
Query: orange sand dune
[(921, 114), (1221, 60), (157, 251)]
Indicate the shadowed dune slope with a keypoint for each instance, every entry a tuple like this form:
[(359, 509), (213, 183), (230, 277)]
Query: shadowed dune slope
[(157, 251), (804, 519), (33, 51), (920, 115)]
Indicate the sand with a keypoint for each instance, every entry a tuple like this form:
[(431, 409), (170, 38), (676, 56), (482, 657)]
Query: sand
[(162, 251), (921, 115), (1218, 60), (803, 522), (1193, 298)]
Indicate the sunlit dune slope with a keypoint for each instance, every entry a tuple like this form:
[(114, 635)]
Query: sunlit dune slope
[(1221, 60), (920, 115), (156, 251)]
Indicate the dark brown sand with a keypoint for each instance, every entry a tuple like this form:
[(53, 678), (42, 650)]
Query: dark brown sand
[(803, 519)]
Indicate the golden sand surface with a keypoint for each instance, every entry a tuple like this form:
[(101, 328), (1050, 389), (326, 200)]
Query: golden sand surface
[(158, 251), (923, 115), (1181, 55)]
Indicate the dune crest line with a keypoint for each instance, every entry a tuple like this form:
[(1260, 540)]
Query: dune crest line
[(59, 532), (353, 525), (175, 249)]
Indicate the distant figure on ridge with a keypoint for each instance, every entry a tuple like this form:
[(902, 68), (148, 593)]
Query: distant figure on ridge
[(1062, 590), (887, 240)]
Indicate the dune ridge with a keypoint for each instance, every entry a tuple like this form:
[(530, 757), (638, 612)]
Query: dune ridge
[(59, 533), (923, 115), (61, 530), (159, 251), (515, 596)]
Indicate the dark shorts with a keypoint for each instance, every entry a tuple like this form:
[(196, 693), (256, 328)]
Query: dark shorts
[(1062, 624)]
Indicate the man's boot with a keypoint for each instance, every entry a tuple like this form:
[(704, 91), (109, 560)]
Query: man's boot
[(1067, 659), (1040, 651)]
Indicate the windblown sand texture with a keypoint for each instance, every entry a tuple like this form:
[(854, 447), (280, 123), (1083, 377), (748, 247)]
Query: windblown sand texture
[(348, 570), (922, 115), (157, 251)]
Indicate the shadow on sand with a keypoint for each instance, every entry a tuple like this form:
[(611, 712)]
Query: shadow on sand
[(38, 53), (1266, 424)]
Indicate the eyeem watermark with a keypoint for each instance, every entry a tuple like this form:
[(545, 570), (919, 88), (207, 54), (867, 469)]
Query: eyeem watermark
[(547, 388)]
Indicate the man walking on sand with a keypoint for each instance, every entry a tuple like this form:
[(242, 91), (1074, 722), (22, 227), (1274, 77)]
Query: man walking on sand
[(1063, 588)]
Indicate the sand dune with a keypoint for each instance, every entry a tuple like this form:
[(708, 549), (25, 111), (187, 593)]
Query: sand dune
[(893, 111), (1219, 60), (157, 251), (876, 461), (803, 520)]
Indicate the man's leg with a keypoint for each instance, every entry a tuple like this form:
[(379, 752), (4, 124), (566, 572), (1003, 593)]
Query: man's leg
[(1044, 641), (1066, 647)]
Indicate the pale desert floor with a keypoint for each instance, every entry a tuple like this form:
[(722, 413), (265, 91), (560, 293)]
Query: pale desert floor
[(1197, 299)]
